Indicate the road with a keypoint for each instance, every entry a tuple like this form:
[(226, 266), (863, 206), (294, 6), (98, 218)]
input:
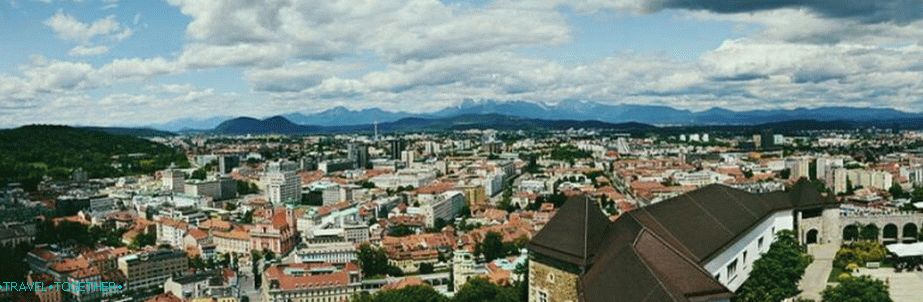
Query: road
[(815, 276)]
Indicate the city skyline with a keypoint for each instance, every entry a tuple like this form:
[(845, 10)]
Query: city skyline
[(123, 63)]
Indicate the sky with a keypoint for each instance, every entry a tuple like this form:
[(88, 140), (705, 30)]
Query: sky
[(135, 63)]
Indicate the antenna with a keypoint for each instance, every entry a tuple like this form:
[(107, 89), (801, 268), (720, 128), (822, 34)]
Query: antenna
[(376, 130)]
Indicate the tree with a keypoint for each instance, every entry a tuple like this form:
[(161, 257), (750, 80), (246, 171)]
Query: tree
[(776, 274), (199, 174), (143, 239), (416, 293), (373, 261), (492, 246), (400, 231), (897, 191), (246, 187), (255, 257), (857, 289), (869, 232), (196, 262), (479, 289), (426, 268)]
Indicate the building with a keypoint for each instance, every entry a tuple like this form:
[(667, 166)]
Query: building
[(465, 267), (397, 146), (171, 231), (407, 177), (151, 269), (235, 241), (202, 284), (443, 206), (281, 182), (311, 282), (873, 179), (835, 179), (699, 246), (799, 167), (276, 234), (227, 163), (338, 253), (358, 154), (173, 180), (220, 188)]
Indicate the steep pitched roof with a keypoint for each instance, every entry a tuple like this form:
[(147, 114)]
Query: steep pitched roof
[(656, 253), (573, 233), (637, 265)]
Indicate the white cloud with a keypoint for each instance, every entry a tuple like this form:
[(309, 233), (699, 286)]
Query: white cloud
[(69, 28), (88, 50)]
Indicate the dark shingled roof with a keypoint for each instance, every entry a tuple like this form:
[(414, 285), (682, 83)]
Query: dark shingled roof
[(569, 239), (656, 253)]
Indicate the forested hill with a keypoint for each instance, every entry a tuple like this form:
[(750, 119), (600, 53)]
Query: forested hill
[(30, 152)]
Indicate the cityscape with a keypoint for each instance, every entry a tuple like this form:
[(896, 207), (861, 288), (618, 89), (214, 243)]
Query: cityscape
[(461, 151)]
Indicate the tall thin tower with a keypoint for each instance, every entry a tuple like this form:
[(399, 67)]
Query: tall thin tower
[(376, 130)]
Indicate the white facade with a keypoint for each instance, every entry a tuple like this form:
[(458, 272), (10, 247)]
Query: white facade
[(445, 206), (334, 252), (173, 180), (732, 266), (282, 183), (407, 177)]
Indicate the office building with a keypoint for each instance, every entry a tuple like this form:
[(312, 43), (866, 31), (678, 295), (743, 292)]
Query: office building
[(281, 182), (151, 269)]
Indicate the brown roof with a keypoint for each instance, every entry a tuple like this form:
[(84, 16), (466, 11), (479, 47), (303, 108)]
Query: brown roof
[(568, 238), (656, 252)]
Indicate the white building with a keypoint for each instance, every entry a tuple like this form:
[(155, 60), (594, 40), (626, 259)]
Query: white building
[(282, 183), (406, 177), (332, 252), (445, 206), (173, 180)]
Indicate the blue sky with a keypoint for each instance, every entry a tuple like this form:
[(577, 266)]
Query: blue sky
[(111, 62)]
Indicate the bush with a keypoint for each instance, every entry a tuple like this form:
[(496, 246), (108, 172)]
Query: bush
[(852, 289)]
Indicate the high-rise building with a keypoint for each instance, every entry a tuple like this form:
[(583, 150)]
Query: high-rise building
[(227, 163), (361, 157), (173, 180), (283, 185), (397, 146)]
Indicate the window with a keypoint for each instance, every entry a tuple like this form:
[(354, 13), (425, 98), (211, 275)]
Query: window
[(718, 277), (759, 244), (551, 278), (745, 257), (732, 269), (542, 296)]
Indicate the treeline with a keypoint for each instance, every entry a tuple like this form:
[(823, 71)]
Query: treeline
[(29, 153)]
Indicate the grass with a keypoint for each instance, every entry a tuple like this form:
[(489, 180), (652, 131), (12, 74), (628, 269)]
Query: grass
[(834, 273)]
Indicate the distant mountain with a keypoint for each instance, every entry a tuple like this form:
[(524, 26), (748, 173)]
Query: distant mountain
[(141, 132), (281, 125), (272, 125), (499, 122), (578, 110), (342, 116), (663, 115), (856, 114), (185, 124)]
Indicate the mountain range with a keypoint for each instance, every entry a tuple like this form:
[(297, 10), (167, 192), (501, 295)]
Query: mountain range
[(575, 110), (281, 125)]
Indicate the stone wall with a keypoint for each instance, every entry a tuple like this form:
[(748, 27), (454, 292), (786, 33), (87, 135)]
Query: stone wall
[(559, 285)]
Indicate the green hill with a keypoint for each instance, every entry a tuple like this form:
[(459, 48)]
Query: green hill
[(30, 152)]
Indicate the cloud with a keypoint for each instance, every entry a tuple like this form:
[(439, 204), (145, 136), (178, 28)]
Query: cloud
[(865, 11), (393, 30), (83, 50), (69, 28)]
